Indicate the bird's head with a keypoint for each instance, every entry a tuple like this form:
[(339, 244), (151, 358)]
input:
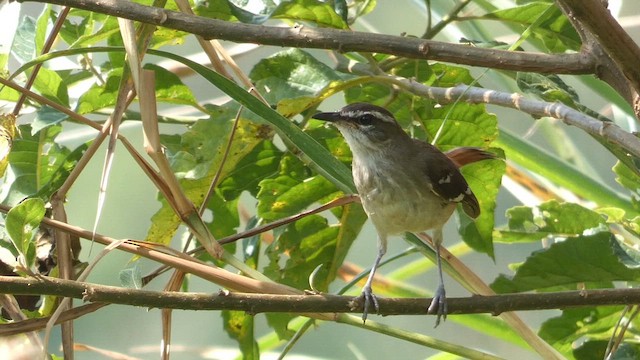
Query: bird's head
[(365, 126)]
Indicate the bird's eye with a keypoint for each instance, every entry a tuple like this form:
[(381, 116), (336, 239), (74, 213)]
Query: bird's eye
[(366, 119)]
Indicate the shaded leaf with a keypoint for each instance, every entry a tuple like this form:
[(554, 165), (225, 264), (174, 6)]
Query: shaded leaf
[(24, 42), (564, 332), (131, 277), (47, 116), (240, 326)]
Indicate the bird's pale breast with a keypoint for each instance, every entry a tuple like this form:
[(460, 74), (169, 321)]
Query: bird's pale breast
[(396, 202)]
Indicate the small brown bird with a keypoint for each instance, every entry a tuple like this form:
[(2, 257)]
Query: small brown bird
[(405, 185)]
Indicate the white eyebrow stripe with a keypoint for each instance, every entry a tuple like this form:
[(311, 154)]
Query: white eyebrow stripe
[(377, 114)]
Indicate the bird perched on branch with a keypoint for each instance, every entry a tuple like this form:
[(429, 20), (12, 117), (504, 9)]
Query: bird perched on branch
[(405, 185)]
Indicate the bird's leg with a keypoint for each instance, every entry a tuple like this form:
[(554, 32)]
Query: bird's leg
[(439, 301), (367, 293)]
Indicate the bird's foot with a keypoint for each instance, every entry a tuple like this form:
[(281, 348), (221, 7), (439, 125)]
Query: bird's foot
[(439, 305), (368, 299)]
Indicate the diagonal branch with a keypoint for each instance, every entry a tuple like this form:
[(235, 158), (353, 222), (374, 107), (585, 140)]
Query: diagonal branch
[(340, 40)]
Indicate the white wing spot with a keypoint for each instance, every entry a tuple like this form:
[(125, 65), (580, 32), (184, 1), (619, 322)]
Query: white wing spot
[(445, 180)]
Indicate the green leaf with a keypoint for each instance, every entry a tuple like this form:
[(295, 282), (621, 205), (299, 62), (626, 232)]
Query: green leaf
[(290, 74), (100, 96), (8, 94), (597, 349), (260, 163), (291, 191), (561, 173), (109, 28), (361, 8), (627, 178), (163, 36), (591, 258), (225, 216), (436, 74), (169, 87), (578, 325), (22, 224), (196, 158), (51, 85), (556, 32), (548, 87), (351, 217), (239, 325), (550, 218), (39, 165), (464, 125), (71, 30), (307, 243), (314, 11), (42, 25), (215, 9), (314, 154), (484, 178)]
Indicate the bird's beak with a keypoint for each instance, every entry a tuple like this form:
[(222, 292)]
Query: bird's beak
[(328, 116)]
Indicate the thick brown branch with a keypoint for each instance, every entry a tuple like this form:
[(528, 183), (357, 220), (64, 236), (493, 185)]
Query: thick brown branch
[(258, 303), (340, 40), (596, 19)]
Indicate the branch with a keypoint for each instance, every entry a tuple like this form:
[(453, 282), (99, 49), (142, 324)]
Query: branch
[(340, 40), (320, 303), (606, 130), (592, 17)]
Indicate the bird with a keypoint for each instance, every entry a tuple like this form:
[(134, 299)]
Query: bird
[(404, 184)]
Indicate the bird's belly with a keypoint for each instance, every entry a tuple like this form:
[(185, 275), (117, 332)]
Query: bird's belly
[(415, 212)]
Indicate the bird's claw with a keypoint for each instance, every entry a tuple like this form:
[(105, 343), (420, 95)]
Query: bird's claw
[(438, 305), (368, 299)]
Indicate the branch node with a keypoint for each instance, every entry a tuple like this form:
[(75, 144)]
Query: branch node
[(224, 292), (88, 294), (423, 48)]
